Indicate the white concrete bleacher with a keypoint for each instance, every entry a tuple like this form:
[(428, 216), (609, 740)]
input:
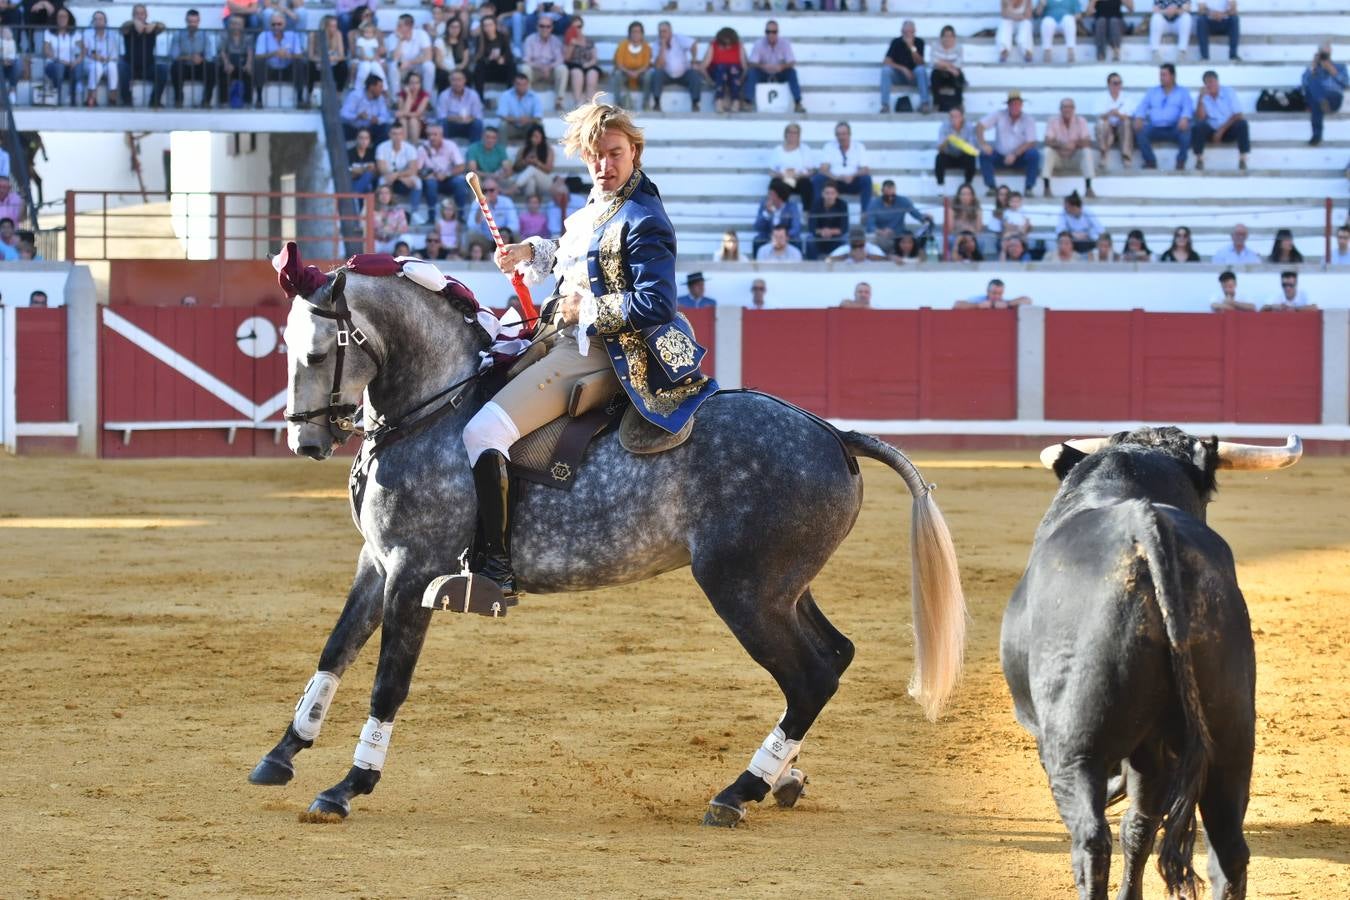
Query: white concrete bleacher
[(711, 168)]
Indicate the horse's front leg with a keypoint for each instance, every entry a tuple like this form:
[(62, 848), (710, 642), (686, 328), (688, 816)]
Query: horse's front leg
[(405, 629), (360, 617)]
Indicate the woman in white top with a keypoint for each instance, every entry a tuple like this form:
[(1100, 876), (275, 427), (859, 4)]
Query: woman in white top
[(100, 59), (792, 163), (945, 74), (61, 49), (1015, 22), (730, 249)]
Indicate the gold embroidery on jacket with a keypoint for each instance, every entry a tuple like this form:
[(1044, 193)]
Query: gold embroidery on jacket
[(620, 198), (662, 403), (676, 350), (609, 306)]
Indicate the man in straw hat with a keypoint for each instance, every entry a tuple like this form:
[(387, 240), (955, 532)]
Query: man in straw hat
[(1014, 145)]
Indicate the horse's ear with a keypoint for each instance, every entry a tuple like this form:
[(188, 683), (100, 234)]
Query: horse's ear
[(338, 285)]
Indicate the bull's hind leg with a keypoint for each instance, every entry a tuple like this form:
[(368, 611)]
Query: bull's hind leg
[(1146, 786), (805, 654), (405, 629), (1223, 806), (360, 617), (1079, 787)]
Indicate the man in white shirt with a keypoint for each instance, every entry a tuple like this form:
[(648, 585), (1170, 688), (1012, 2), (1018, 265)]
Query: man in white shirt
[(1238, 253), (396, 162), (758, 290), (858, 249), (1340, 254), (771, 59), (675, 56), (1114, 122), (409, 50), (1290, 299), (778, 249), (843, 163), (1227, 298)]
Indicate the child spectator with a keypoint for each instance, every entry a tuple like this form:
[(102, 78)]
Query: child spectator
[(447, 226), (390, 219), (367, 52), (533, 220)]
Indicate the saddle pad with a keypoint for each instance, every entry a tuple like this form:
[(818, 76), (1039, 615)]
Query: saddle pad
[(641, 437), (552, 455)]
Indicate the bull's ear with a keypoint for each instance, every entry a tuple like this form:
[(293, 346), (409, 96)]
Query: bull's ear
[(1067, 459)]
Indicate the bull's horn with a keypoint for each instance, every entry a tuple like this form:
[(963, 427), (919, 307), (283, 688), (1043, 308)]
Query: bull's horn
[(1082, 445), (1252, 456)]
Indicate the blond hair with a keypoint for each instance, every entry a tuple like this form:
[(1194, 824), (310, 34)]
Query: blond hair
[(588, 123)]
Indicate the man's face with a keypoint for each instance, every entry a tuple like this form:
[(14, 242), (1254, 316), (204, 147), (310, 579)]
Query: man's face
[(757, 290), (907, 31), (457, 82), (489, 140), (1239, 238), (779, 238), (404, 28), (278, 26), (857, 250), (4, 187), (771, 33), (1212, 86), (192, 21), (831, 194), (1229, 286), (396, 134), (434, 135), (863, 294), (545, 29), (433, 244), (996, 293), (38, 298), (843, 134), (1166, 79), (490, 192), (522, 85), (613, 163), (1342, 236), (1014, 108), (377, 88), (1066, 110), (888, 191), (1014, 248), (663, 32), (236, 25), (1113, 84), (696, 289), (1289, 286)]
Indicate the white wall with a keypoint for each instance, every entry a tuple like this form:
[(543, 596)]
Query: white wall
[(101, 161)]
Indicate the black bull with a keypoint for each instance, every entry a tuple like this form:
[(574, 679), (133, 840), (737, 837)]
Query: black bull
[(1127, 643)]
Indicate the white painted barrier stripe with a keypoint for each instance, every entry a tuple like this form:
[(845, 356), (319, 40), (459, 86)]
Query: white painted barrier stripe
[(47, 429), (1052, 427)]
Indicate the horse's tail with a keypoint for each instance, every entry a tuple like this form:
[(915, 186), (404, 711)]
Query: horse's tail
[(939, 604)]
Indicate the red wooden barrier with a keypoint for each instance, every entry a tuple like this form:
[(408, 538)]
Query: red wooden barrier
[(41, 380), (1171, 367)]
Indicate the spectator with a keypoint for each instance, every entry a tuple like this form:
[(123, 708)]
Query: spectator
[(450, 52), (36, 15), (1015, 221), (1181, 249), (1218, 17), (758, 290), (396, 161), (560, 205), (1136, 248), (347, 12), (1108, 25), (11, 204), (843, 163), (1324, 85), (730, 249), (1283, 251), (1068, 142), (967, 248), (328, 48), (1237, 253), (432, 248), (1062, 16), (695, 296), (542, 60), (772, 60), (1081, 225), (61, 49), (829, 222), (493, 60), (38, 299), (1064, 252), (524, 21), (293, 11), (1014, 21), (1340, 256), (947, 81), (1115, 124), (367, 52), (235, 64), (408, 49), (1013, 248), (632, 67), (533, 167), (100, 59), (8, 241), (792, 164), (461, 108), (583, 64), (904, 64), (442, 166), (1105, 249), (955, 147), (390, 219), (191, 56), (858, 250), (1170, 17), (1014, 144), (251, 10), (533, 219), (909, 250), (278, 55), (966, 213), (401, 250), (886, 216), (1219, 120), (676, 63), (27, 249), (1164, 114), (725, 64), (1227, 300), (778, 249), (361, 163), (993, 298), (137, 61), (861, 299), (447, 226), (1290, 298), (775, 210), (10, 59), (503, 211), (519, 108), (413, 105), (477, 253), (365, 108)]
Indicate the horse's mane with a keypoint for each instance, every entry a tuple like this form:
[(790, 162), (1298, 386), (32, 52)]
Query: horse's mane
[(455, 295)]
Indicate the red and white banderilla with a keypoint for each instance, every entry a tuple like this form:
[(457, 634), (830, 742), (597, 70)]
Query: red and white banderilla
[(527, 310)]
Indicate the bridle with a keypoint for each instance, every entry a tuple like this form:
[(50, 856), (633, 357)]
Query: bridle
[(339, 417)]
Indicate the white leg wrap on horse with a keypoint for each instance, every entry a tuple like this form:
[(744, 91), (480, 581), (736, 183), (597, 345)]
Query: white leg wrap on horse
[(774, 757), (373, 744), (490, 429), (314, 704)]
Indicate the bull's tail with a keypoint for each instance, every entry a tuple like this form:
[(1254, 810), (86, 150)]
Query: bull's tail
[(939, 605), (1179, 826)]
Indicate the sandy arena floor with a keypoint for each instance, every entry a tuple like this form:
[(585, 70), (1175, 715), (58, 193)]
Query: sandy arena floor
[(158, 621)]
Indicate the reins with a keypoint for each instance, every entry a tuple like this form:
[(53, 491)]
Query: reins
[(341, 417)]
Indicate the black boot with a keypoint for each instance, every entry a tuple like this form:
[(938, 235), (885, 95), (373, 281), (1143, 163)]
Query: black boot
[(492, 483)]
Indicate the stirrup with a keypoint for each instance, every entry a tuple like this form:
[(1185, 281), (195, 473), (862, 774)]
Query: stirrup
[(468, 593)]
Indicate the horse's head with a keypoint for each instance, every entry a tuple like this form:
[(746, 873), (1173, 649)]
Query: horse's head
[(330, 361)]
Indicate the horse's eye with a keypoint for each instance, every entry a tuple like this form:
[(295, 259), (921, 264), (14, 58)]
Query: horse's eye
[(315, 358)]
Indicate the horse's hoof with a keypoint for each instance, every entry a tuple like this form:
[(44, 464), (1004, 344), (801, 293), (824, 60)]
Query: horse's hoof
[(720, 815), (326, 809), (271, 771), (790, 788)]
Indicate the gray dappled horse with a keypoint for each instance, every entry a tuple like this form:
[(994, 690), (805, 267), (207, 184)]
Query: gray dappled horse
[(754, 502)]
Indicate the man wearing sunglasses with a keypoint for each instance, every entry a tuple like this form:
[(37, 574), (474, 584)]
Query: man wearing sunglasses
[(771, 59)]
